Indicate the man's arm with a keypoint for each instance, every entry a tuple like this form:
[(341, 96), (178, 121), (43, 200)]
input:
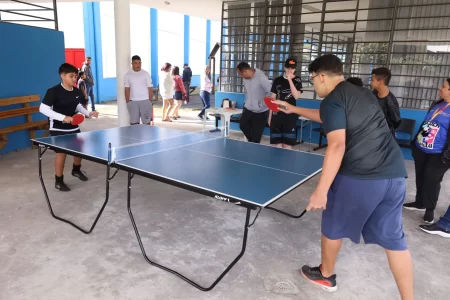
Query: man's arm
[(127, 94), (150, 93), (267, 86), (333, 159), (393, 111), (334, 125), (295, 93)]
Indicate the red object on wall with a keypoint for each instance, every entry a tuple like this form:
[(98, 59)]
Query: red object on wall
[(75, 56)]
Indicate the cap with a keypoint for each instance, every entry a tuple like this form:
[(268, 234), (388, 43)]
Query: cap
[(291, 63)]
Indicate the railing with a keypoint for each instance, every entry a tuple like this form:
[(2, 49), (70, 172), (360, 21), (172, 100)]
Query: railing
[(26, 12)]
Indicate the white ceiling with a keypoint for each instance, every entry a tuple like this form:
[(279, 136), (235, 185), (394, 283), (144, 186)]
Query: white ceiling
[(208, 9)]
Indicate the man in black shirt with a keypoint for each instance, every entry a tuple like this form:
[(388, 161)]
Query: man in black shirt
[(388, 103), (60, 103), (282, 126), (362, 186)]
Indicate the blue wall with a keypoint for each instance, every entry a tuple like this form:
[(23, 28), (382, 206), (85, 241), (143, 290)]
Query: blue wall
[(31, 58), (414, 114), (105, 88)]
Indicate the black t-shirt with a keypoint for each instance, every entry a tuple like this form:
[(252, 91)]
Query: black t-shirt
[(64, 102), (371, 151), (389, 106), (282, 89)]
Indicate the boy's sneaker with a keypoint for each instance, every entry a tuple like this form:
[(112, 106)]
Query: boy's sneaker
[(60, 184), (80, 174), (413, 206), (428, 218), (315, 276), (435, 229)]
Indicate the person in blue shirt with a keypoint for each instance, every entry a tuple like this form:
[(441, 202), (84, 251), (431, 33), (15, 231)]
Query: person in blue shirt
[(431, 153)]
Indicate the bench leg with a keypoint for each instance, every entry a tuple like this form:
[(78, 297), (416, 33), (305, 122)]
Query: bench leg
[(204, 289), (108, 178)]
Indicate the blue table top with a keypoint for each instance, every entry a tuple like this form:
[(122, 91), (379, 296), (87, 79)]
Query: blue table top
[(252, 173)]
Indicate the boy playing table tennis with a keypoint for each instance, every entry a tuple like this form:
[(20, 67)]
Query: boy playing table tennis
[(288, 88), (60, 103), (362, 186)]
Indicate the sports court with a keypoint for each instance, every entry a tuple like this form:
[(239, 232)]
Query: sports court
[(185, 209)]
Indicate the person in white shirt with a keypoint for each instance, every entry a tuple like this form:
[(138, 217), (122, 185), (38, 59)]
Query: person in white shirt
[(205, 92), (166, 84), (139, 93)]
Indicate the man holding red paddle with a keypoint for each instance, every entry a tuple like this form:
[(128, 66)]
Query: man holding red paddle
[(62, 106)]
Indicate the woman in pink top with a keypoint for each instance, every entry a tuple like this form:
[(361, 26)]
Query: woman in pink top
[(179, 91)]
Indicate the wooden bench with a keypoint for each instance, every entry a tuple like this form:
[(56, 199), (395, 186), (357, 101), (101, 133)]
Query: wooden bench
[(27, 110)]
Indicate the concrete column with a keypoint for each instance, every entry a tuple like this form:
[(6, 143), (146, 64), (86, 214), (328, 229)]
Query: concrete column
[(123, 55)]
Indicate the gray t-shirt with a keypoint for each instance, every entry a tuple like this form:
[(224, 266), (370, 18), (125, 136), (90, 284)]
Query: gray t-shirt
[(371, 151)]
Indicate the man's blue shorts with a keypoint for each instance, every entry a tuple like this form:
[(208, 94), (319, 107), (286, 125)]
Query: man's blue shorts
[(372, 208)]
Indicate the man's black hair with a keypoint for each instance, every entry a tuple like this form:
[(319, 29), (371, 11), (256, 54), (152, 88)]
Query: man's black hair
[(135, 57), (356, 81), (382, 74), (242, 66), (66, 68), (327, 63), (88, 57)]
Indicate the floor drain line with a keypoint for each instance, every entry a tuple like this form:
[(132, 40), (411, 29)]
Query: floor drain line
[(283, 286)]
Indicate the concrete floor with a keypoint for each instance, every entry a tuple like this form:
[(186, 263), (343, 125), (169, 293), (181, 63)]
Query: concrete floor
[(42, 258)]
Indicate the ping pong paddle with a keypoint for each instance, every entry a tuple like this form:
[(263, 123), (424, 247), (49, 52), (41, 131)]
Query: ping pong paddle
[(272, 106), (77, 119)]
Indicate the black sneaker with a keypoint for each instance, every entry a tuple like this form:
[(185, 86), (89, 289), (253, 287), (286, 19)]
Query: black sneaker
[(61, 186), (80, 174), (200, 118), (413, 206), (428, 218), (435, 229), (315, 276)]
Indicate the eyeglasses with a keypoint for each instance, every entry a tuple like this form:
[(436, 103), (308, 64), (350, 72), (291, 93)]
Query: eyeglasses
[(311, 79)]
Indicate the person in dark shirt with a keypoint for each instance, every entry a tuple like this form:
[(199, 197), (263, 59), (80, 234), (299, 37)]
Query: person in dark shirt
[(282, 126), (60, 103), (362, 186), (356, 81), (187, 77), (82, 88), (388, 103)]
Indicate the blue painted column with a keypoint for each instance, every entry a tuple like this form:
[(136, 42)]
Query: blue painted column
[(208, 40), (92, 41), (154, 45), (187, 29)]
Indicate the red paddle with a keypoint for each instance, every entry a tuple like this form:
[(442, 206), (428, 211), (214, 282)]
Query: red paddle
[(77, 119), (272, 106)]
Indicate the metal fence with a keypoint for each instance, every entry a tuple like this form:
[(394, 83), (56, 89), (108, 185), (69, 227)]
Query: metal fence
[(21, 12), (411, 37)]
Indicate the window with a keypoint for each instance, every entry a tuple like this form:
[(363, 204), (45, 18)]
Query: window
[(407, 36)]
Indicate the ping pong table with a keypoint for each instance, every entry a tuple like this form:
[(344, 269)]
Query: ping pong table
[(250, 175)]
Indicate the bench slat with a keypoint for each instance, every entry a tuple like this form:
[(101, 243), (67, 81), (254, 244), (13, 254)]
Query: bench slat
[(19, 100), (18, 112), (37, 124)]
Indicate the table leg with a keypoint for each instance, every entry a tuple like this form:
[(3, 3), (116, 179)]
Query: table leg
[(205, 289), (227, 119), (108, 178)]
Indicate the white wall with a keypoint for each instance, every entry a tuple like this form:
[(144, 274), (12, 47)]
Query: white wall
[(139, 35), (197, 45), (170, 39)]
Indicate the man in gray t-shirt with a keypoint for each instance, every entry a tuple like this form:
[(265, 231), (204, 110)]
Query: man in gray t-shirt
[(255, 113)]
